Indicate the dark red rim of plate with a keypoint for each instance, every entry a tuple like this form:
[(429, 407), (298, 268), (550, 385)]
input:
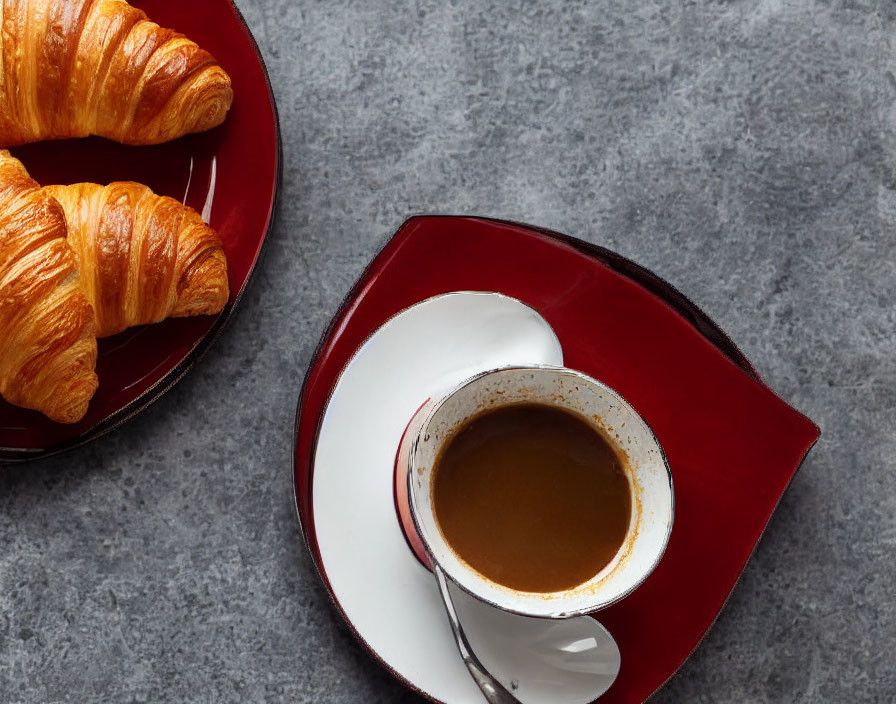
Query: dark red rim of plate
[(15, 455), (699, 320)]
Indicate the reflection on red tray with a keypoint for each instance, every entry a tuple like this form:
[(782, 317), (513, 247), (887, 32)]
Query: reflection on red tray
[(732, 444), (231, 173)]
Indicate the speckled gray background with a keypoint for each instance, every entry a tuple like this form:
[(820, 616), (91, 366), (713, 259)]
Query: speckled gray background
[(745, 151)]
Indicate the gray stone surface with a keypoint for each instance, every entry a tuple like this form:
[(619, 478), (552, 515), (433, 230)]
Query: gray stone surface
[(745, 151)]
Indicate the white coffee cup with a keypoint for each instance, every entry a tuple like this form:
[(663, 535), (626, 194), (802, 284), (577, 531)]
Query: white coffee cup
[(650, 481)]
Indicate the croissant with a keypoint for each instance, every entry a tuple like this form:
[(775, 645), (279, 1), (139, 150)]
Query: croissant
[(47, 343), (72, 68), (143, 257)]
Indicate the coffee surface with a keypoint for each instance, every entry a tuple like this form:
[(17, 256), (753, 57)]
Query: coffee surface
[(532, 497)]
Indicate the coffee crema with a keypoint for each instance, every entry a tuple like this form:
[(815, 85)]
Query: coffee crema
[(532, 497)]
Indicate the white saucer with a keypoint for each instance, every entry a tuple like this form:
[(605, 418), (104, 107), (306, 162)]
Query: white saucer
[(390, 599)]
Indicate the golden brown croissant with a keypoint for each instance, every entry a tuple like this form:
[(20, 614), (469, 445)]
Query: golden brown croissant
[(47, 342), (72, 68), (143, 257)]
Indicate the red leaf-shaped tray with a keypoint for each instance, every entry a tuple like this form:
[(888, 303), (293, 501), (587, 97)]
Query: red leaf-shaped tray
[(732, 444)]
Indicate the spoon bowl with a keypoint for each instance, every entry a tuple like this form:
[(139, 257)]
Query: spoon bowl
[(514, 658)]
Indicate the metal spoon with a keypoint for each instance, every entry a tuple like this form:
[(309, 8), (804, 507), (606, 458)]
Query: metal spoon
[(543, 660), (494, 691)]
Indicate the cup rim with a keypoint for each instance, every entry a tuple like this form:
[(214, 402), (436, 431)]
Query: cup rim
[(415, 509)]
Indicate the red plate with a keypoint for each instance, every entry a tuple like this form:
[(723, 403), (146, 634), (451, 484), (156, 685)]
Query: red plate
[(233, 170), (732, 444)]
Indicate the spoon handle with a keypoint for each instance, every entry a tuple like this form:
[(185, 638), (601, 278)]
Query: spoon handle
[(494, 691)]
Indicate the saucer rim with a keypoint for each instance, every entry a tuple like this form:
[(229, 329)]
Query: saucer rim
[(318, 563)]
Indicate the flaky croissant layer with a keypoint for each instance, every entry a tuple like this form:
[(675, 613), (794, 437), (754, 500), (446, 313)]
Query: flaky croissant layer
[(47, 344), (143, 257), (72, 68)]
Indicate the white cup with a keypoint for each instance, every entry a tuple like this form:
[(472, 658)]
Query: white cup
[(650, 482)]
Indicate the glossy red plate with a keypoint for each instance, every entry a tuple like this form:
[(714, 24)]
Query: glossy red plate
[(231, 174), (732, 444)]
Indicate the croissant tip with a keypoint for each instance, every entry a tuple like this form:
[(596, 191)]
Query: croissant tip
[(79, 395), (70, 417), (205, 288)]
